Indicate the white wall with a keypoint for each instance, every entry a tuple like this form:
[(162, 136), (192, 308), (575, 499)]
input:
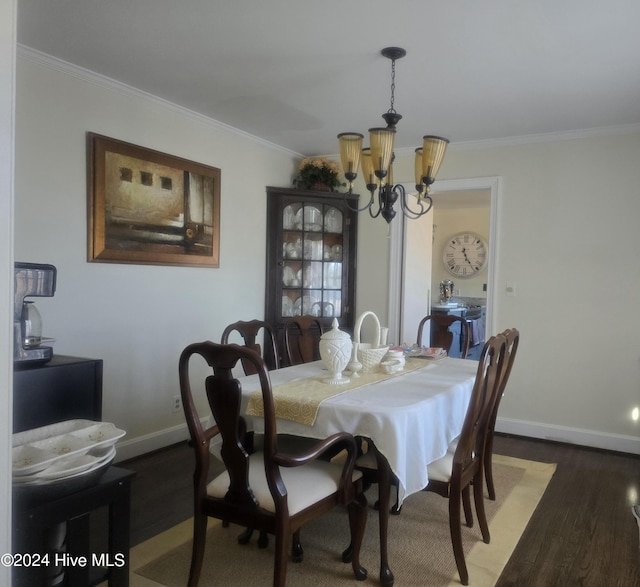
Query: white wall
[(136, 318), (567, 239), (567, 225), (372, 277)]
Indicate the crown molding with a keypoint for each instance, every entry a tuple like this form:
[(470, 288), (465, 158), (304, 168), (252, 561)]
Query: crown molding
[(550, 137), (92, 77)]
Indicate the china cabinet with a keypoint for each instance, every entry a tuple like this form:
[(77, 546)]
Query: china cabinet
[(311, 258)]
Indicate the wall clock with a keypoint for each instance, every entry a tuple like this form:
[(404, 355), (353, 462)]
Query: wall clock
[(465, 254)]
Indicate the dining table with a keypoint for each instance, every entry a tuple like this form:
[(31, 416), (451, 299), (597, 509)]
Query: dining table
[(410, 417)]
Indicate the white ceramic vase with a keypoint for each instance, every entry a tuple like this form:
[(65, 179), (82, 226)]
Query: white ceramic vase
[(335, 352), (354, 365)]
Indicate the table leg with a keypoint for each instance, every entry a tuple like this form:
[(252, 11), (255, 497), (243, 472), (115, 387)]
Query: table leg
[(77, 542), (119, 524), (384, 492)]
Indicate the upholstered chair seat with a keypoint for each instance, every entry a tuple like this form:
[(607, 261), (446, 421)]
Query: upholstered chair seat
[(305, 485)]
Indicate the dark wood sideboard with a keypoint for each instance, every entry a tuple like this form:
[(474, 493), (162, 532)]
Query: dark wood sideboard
[(82, 528), (65, 388)]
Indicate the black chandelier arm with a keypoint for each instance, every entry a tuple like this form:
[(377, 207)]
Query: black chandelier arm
[(372, 189), (367, 206), (378, 212), (387, 198), (413, 214)]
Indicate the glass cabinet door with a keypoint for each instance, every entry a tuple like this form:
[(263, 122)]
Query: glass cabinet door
[(312, 245)]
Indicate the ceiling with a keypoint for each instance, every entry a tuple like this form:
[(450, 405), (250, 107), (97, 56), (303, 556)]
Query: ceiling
[(297, 73)]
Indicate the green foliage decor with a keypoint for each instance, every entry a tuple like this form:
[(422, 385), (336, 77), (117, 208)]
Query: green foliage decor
[(316, 171)]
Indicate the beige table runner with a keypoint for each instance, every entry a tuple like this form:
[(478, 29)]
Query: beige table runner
[(299, 400)]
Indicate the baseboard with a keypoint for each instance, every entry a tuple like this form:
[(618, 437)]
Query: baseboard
[(580, 437), (141, 445), (135, 447)]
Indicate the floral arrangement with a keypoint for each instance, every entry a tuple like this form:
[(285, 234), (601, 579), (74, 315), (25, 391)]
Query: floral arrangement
[(318, 170)]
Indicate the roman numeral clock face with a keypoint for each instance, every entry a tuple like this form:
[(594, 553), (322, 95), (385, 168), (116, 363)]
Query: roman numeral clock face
[(465, 255)]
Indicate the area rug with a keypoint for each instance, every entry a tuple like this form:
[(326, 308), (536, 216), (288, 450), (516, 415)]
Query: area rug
[(420, 552)]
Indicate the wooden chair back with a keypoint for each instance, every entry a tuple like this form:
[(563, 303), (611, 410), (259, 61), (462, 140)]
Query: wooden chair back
[(249, 331), (441, 335), (302, 339), (512, 339), (471, 443), (466, 465), (512, 336)]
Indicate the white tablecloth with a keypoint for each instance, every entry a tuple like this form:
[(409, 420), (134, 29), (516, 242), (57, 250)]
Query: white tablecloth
[(411, 418)]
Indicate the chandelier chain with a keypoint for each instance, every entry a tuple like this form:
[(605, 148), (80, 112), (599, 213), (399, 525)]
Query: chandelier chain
[(393, 84)]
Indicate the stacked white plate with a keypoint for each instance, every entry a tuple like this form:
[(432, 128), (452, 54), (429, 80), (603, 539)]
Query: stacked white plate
[(433, 353), (62, 451)]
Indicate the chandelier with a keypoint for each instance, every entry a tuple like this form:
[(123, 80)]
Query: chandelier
[(377, 161)]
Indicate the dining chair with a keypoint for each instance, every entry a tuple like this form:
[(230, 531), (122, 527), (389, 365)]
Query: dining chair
[(453, 475), (441, 334), (249, 330), (512, 337), (269, 490), (301, 339)]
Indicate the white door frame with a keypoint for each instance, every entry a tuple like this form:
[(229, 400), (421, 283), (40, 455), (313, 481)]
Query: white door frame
[(396, 255), (8, 40)]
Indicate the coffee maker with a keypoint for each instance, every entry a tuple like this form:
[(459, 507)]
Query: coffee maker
[(30, 279)]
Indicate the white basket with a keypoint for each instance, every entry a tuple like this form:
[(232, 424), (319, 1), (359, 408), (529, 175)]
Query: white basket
[(369, 355)]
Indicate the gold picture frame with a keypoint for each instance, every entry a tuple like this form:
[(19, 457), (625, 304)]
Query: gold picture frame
[(148, 207)]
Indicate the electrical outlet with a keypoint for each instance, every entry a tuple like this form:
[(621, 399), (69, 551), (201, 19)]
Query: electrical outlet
[(177, 404)]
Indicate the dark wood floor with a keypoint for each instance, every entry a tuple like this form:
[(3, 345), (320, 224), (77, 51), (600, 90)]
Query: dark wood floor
[(581, 534)]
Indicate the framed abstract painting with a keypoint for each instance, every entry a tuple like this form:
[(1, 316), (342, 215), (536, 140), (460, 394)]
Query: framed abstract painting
[(148, 207)]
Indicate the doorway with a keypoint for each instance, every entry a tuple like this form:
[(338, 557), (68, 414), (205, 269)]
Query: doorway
[(459, 213), (406, 302)]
